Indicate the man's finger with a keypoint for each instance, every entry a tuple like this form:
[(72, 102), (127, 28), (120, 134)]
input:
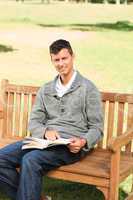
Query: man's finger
[(57, 135)]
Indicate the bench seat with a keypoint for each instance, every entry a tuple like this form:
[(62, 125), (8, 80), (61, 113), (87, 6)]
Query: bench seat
[(95, 164)]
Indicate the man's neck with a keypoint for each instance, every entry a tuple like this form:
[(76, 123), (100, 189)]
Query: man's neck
[(65, 79)]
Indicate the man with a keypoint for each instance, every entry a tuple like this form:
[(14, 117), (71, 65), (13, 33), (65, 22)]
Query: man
[(68, 107)]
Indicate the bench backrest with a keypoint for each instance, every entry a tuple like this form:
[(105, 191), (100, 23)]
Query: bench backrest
[(17, 101)]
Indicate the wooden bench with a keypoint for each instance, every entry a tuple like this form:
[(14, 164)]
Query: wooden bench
[(107, 165)]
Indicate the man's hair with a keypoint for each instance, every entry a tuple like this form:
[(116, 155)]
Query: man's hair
[(58, 45)]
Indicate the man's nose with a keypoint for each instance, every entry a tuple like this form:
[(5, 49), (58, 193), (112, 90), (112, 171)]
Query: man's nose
[(60, 62)]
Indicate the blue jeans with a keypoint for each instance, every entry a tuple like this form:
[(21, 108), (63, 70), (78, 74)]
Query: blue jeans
[(26, 184)]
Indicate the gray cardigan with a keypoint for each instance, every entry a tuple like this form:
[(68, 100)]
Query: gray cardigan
[(77, 114)]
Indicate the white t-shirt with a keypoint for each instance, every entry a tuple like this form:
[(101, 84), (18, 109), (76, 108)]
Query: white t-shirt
[(62, 89)]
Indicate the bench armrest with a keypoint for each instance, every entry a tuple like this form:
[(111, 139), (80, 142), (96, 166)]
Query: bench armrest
[(118, 142), (1, 111), (1, 115)]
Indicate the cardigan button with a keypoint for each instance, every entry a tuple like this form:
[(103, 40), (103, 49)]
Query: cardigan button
[(62, 110)]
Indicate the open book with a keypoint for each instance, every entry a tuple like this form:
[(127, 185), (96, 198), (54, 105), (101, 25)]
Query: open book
[(32, 142)]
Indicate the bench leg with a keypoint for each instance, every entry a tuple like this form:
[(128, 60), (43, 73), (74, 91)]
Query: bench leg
[(114, 176), (105, 191), (132, 183), (114, 192)]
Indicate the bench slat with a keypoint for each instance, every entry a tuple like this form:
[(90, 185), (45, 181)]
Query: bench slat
[(21, 89), (10, 107), (25, 114), (117, 97), (17, 114), (120, 118), (110, 120), (129, 124)]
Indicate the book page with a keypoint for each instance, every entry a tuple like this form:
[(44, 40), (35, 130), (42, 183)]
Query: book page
[(32, 142)]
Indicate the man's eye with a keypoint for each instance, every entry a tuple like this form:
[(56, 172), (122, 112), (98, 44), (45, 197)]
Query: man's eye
[(64, 58)]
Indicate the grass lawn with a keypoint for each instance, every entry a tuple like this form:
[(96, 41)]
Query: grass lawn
[(101, 36), (63, 190)]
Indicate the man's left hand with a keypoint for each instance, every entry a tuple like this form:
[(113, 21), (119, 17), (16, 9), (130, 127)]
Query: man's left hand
[(76, 144)]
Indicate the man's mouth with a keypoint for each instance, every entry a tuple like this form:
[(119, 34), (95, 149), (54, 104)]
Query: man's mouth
[(62, 69)]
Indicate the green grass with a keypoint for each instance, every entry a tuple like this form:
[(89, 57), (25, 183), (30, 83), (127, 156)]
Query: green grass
[(64, 190), (69, 190), (71, 13), (101, 36)]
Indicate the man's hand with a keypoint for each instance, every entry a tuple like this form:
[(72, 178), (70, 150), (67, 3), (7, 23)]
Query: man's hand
[(51, 135), (76, 144)]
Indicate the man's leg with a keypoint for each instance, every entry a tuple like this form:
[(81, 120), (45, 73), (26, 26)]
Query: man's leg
[(10, 159), (37, 162)]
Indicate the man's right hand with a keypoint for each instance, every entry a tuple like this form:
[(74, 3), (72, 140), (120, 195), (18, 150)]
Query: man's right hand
[(51, 135)]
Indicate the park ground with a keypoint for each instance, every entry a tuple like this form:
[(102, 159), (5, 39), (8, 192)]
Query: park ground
[(101, 36)]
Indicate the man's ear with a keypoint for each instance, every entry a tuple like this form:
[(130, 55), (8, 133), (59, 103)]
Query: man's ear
[(73, 55), (50, 57)]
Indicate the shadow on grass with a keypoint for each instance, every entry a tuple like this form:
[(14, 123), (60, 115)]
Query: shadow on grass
[(65, 190), (5, 48), (118, 26)]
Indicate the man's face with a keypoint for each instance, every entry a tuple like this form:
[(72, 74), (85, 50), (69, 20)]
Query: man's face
[(63, 62)]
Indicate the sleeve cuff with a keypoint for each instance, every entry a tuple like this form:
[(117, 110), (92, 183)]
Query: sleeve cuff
[(92, 137)]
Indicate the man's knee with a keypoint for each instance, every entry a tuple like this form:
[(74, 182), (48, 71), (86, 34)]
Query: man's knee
[(30, 162), (3, 159)]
